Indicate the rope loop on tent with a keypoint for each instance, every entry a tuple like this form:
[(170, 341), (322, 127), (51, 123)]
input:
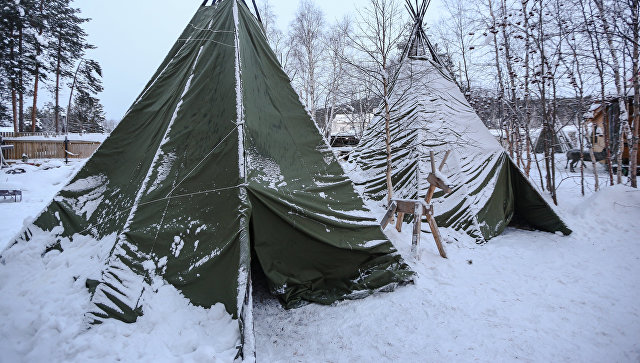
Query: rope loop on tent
[(211, 30), (203, 159), (117, 213)]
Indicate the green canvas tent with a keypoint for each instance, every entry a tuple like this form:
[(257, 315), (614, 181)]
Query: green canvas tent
[(430, 113), (216, 166)]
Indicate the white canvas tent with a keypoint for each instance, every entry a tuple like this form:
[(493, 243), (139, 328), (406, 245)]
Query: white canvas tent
[(430, 113)]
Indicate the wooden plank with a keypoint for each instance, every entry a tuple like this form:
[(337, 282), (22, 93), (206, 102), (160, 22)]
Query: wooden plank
[(417, 221), (436, 234), (399, 221), (405, 206), (434, 180), (408, 206), (388, 215)]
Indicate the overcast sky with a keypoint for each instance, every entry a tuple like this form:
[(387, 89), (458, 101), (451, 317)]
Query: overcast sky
[(133, 36)]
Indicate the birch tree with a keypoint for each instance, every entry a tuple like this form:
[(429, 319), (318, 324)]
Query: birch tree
[(306, 37), (336, 49), (635, 34), (379, 30)]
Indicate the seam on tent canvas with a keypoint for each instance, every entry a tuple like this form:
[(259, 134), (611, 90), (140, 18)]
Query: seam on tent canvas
[(239, 100), (211, 30), (246, 349), (146, 89), (208, 40)]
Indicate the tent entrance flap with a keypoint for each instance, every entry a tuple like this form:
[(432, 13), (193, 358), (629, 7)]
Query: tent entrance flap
[(303, 263), (515, 202)]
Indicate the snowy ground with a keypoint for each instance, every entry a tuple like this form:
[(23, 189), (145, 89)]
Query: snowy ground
[(43, 298), (42, 180), (529, 296), (526, 296)]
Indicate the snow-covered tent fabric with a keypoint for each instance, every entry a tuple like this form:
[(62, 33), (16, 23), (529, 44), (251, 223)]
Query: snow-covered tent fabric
[(559, 142), (216, 159), (430, 113)]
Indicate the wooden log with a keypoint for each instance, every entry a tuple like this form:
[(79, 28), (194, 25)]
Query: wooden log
[(432, 189), (399, 221), (432, 156), (388, 215), (436, 234), (444, 160), (417, 221)]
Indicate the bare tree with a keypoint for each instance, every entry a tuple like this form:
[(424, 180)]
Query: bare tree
[(635, 33), (336, 48), (576, 76), (306, 37), (624, 115), (278, 40), (379, 30), (457, 32)]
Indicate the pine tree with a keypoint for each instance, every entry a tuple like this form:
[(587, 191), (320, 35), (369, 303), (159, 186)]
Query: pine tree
[(87, 82), (87, 114), (67, 46)]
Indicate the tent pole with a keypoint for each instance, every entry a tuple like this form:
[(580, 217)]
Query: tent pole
[(257, 12)]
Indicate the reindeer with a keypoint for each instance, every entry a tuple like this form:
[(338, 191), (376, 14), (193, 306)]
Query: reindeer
[(573, 156)]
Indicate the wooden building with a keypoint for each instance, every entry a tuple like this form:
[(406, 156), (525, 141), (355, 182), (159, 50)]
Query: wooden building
[(596, 119)]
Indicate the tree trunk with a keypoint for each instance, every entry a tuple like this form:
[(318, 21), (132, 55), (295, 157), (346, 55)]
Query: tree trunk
[(554, 138), (57, 91), (607, 135), (513, 112), (20, 84), (621, 137), (73, 86), (14, 104), (581, 146), (594, 165), (34, 109), (527, 115), (387, 129), (14, 100), (494, 31), (633, 155)]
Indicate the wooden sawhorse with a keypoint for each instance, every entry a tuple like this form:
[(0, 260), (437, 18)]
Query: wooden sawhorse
[(420, 208)]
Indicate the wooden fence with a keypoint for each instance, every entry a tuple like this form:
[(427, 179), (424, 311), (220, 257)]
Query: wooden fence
[(43, 149), (20, 134)]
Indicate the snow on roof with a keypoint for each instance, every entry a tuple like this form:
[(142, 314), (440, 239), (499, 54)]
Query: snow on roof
[(495, 132), (344, 134), (569, 128)]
